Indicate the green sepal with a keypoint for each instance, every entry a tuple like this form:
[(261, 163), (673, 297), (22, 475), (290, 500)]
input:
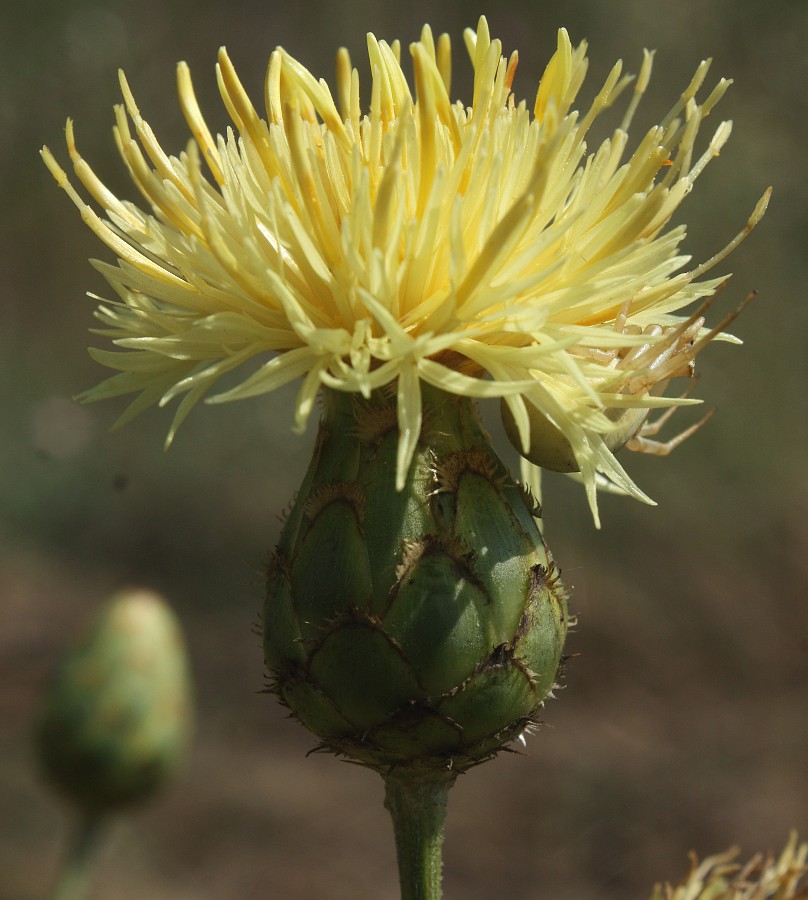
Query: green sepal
[(363, 673), (484, 521), (395, 517), (329, 570), (439, 619), (540, 638), (418, 731), (284, 641), (313, 708), (337, 446), (506, 693)]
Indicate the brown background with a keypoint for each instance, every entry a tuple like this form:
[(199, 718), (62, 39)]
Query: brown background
[(683, 724)]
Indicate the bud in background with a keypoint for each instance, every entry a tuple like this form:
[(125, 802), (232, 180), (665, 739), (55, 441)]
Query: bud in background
[(117, 717)]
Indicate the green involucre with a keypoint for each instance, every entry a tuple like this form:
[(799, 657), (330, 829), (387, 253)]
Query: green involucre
[(417, 627)]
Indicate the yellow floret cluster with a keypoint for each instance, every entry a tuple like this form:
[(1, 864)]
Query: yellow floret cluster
[(482, 249)]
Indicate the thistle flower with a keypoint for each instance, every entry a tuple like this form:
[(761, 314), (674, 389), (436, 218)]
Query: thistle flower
[(406, 262), (482, 250)]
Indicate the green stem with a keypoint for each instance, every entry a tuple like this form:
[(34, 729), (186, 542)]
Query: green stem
[(75, 873), (417, 804)]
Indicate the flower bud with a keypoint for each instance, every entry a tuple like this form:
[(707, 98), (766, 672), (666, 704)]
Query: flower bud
[(415, 627), (117, 716), (551, 450)]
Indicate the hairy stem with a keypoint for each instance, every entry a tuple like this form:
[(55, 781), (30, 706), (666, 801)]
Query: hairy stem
[(417, 804)]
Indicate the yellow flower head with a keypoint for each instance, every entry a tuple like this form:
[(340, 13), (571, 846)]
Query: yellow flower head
[(480, 249)]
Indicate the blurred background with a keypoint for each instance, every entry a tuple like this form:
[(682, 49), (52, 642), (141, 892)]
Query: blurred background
[(684, 722)]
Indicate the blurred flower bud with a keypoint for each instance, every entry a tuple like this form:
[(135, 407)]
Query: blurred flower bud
[(117, 717)]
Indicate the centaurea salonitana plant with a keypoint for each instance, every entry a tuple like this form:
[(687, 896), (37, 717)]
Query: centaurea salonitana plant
[(404, 262)]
